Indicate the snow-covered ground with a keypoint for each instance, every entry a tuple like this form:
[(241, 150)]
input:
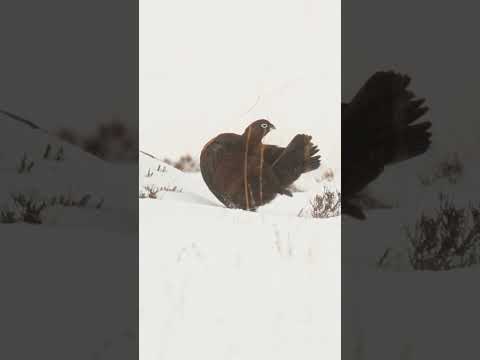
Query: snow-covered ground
[(218, 283), (65, 170), (244, 285), (395, 312), (60, 292)]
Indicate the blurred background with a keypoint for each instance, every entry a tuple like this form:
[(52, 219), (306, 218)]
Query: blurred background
[(69, 65)]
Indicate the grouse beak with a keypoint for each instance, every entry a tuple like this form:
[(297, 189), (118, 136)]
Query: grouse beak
[(272, 127)]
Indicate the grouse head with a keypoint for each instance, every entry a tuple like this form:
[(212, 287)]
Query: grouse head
[(256, 131)]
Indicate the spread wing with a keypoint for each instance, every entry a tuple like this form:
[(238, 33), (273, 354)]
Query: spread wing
[(291, 162), (378, 129)]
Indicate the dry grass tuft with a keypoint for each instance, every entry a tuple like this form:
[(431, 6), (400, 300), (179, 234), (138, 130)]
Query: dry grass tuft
[(152, 191), (186, 163), (111, 141), (448, 240), (324, 205)]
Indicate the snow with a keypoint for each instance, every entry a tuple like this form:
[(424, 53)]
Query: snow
[(61, 298), (106, 183), (218, 283), (229, 283), (395, 312)]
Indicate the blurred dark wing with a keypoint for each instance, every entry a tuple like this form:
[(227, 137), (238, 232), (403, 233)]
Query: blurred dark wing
[(378, 130)]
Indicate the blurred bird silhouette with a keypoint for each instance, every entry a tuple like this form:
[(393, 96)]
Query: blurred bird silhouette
[(244, 173), (377, 130)]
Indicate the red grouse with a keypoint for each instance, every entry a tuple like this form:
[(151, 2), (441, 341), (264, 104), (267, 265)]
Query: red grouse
[(377, 130), (244, 173)]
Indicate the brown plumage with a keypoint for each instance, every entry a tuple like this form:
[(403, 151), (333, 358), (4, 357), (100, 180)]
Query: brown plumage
[(244, 173), (378, 130)]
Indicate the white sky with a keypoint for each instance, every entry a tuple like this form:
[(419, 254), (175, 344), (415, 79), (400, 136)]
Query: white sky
[(205, 64)]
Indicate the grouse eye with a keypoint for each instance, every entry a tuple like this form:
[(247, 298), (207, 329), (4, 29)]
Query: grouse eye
[(264, 125)]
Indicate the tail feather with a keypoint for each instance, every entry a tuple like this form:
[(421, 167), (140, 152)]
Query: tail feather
[(297, 158)]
